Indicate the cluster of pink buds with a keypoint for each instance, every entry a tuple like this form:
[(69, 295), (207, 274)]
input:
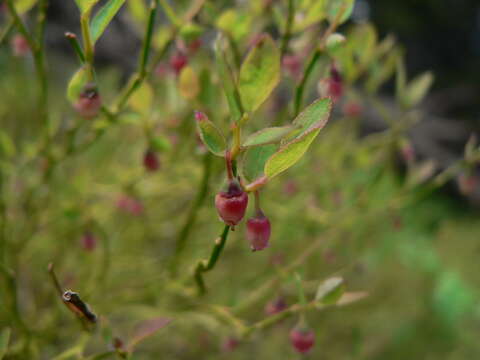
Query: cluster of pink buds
[(302, 339), (151, 161), (89, 102)]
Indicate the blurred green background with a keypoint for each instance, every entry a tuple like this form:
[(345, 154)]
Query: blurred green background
[(351, 207)]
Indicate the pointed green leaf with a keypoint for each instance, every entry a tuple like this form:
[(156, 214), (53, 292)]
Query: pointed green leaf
[(267, 136), (77, 83), (313, 11), (259, 74), (4, 340), (254, 159), (229, 87), (330, 291), (311, 120), (334, 7), (85, 5), (417, 89), (210, 135), (103, 18)]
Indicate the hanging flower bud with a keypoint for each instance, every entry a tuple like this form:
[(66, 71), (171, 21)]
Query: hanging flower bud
[(275, 306), (89, 241), (231, 205), (19, 45), (258, 231), (335, 89), (293, 65), (302, 339), (178, 62), (89, 102), (151, 161)]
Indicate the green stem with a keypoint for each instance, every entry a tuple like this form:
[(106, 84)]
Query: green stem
[(147, 43), (288, 28), (303, 82), (87, 38), (6, 30), (207, 265), (193, 213)]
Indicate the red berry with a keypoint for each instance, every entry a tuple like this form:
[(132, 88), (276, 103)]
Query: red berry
[(258, 232), (302, 340), (89, 102), (19, 45), (232, 204), (89, 242), (150, 160), (178, 61)]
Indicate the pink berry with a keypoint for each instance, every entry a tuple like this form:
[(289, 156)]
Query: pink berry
[(19, 45), (275, 306), (232, 204), (151, 161), (89, 242), (302, 340), (178, 61), (258, 232), (89, 102)]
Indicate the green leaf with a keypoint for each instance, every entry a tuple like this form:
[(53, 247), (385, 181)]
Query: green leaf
[(138, 10), (160, 143), (210, 135), (311, 120), (330, 291), (77, 83), (254, 159), (417, 89), (4, 340), (380, 72), (234, 23), (22, 6), (103, 17), (142, 99), (191, 31), (229, 87), (188, 83), (400, 80), (85, 5), (313, 11), (259, 74), (334, 7), (267, 136)]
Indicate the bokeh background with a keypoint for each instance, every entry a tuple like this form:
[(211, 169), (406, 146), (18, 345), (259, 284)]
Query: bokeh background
[(366, 214)]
